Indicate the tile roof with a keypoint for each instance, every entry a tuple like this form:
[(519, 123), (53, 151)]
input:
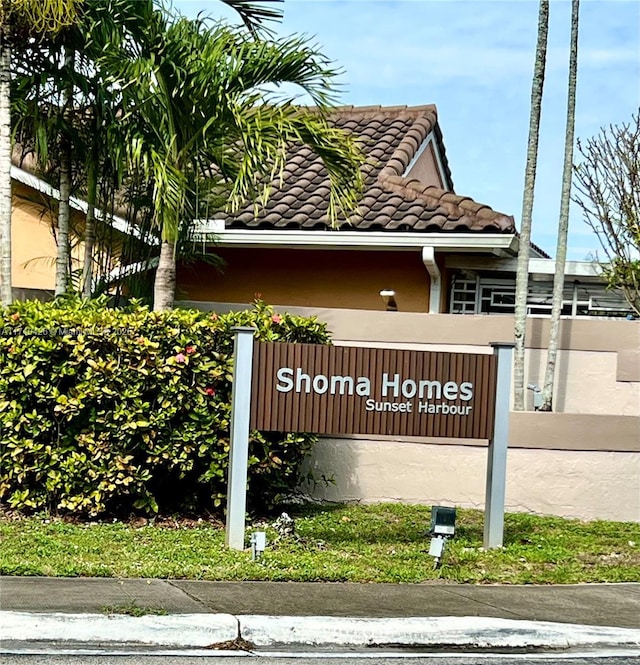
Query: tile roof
[(390, 138)]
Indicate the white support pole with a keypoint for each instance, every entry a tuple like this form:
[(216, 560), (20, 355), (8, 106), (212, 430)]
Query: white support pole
[(497, 461), (239, 453)]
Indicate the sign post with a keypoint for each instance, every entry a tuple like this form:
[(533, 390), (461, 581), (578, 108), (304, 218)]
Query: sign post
[(357, 390), (497, 460), (239, 454)]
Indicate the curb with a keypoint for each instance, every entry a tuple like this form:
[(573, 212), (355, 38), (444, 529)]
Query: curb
[(202, 630), (441, 632), (173, 630)]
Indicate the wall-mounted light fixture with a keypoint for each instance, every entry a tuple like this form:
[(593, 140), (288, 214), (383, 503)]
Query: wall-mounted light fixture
[(389, 298)]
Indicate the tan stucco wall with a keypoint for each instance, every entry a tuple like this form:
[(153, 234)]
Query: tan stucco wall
[(586, 382), (582, 463), (574, 431), (597, 375), (585, 484), (426, 168), (344, 279), (33, 243), (33, 246)]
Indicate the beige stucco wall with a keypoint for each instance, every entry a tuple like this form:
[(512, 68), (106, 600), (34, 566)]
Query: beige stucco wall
[(343, 279), (598, 368), (32, 243), (425, 169), (580, 484), (33, 246), (583, 462), (586, 382)]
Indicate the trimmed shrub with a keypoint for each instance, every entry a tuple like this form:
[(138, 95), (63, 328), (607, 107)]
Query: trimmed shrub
[(105, 411)]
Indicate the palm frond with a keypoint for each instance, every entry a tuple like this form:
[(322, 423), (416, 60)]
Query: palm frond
[(255, 13)]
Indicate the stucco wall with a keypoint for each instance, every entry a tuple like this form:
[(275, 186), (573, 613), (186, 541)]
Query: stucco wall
[(586, 382), (598, 362), (343, 279), (33, 246), (425, 168), (582, 462), (579, 484)]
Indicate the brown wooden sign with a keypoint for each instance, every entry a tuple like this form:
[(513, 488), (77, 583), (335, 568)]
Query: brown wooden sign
[(354, 390)]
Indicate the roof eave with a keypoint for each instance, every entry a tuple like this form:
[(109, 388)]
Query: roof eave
[(496, 244), (40, 185)]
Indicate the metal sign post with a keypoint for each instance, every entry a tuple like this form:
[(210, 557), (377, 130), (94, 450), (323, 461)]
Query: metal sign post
[(343, 390), (239, 454), (497, 461)]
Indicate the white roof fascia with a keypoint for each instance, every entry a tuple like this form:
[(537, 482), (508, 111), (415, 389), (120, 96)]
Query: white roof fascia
[(574, 268), (541, 267), (45, 188), (497, 244), (132, 269)]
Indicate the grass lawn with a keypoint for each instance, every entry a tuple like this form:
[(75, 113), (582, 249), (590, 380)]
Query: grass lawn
[(355, 543)]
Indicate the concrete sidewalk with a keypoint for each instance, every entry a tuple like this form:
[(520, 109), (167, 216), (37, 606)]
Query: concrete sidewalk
[(589, 604), (198, 614)]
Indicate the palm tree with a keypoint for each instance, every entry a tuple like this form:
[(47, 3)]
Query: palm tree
[(18, 20), (563, 225), (197, 107), (64, 206), (522, 272)]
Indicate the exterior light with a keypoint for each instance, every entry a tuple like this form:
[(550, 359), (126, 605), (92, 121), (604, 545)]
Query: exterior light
[(258, 544), (443, 527), (389, 298)]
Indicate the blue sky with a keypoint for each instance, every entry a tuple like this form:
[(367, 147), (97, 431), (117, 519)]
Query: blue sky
[(474, 60)]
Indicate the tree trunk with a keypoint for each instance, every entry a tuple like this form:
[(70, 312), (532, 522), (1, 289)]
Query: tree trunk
[(563, 224), (5, 171), (89, 229), (64, 209), (165, 283), (522, 272)]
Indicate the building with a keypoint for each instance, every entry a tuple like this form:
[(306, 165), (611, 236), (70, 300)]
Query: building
[(414, 246)]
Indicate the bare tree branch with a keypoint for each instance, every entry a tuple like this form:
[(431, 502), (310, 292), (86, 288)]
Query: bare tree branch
[(608, 192)]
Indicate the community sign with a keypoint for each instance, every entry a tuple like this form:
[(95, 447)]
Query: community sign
[(355, 390)]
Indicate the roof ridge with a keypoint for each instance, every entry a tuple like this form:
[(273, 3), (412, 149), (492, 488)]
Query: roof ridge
[(350, 110), (413, 189)]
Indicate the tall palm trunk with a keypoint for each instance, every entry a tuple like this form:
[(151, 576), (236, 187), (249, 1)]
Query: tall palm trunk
[(64, 209), (90, 228), (522, 272), (165, 283), (5, 169), (563, 224)]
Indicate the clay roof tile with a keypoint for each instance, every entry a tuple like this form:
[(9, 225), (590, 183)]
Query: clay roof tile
[(390, 138)]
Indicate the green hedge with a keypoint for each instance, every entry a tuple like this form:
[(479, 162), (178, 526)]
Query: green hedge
[(105, 411)]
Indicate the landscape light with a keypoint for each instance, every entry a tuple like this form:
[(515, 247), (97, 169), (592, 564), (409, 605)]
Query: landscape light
[(443, 527), (258, 544)]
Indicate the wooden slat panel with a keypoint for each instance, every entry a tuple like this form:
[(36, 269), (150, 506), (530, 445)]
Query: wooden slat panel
[(318, 391)]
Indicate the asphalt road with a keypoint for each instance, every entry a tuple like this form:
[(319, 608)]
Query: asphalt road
[(336, 658)]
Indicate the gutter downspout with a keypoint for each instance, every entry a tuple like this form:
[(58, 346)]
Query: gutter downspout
[(429, 260)]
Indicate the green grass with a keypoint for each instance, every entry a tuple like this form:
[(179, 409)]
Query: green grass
[(381, 543), (132, 609)]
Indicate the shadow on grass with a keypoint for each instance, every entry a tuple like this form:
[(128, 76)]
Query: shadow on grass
[(310, 509), (387, 527)]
